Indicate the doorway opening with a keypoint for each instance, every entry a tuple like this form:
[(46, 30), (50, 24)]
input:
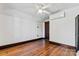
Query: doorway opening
[(47, 30)]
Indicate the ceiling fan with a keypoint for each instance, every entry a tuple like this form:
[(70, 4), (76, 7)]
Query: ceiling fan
[(42, 8)]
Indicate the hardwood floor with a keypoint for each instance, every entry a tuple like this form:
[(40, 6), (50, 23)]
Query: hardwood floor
[(38, 48)]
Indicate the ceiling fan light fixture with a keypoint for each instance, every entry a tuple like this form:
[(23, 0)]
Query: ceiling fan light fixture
[(40, 11)]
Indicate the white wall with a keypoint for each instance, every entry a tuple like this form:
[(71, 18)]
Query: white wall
[(16, 26), (62, 30)]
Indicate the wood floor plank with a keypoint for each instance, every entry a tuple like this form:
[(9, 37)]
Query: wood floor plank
[(38, 48)]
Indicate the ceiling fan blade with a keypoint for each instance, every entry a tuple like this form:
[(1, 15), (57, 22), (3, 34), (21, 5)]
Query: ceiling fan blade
[(44, 11), (44, 7), (38, 6)]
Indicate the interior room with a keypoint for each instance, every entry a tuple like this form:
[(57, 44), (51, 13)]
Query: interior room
[(39, 29)]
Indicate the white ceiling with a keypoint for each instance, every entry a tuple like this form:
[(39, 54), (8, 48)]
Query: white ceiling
[(32, 10)]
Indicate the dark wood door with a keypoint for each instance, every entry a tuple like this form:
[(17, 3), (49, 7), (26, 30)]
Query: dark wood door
[(47, 30)]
